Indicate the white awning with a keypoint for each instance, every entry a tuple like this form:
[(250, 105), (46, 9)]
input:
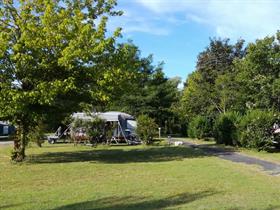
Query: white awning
[(107, 116)]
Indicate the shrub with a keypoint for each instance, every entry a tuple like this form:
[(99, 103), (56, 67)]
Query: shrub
[(200, 127), (146, 128), (225, 128), (255, 129), (93, 128), (37, 134)]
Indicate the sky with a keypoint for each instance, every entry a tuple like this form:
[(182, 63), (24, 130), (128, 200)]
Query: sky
[(175, 31)]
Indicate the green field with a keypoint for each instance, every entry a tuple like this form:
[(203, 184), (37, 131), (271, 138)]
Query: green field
[(132, 177)]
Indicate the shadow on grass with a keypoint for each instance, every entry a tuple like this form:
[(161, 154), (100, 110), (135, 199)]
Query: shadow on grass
[(272, 207), (213, 149), (153, 154), (11, 206), (137, 202)]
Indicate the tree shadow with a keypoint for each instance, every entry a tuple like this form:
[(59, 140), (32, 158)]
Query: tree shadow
[(137, 202), (214, 149), (273, 207), (153, 154), (10, 206)]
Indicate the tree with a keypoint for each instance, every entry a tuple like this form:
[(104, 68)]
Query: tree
[(195, 99), (146, 128), (208, 90), (53, 56), (227, 96), (148, 91), (218, 58), (258, 74)]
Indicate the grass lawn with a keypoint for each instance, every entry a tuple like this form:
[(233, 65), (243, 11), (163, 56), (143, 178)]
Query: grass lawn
[(62, 176)]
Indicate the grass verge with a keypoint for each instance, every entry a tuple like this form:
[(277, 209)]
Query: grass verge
[(62, 176)]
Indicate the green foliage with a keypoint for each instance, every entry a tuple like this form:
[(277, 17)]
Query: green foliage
[(200, 127), (146, 128), (53, 56), (225, 128), (148, 91), (255, 129), (193, 101), (227, 97), (218, 58), (258, 74), (37, 134), (93, 128), (228, 79), (210, 90)]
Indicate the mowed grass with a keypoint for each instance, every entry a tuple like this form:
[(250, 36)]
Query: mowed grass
[(132, 177)]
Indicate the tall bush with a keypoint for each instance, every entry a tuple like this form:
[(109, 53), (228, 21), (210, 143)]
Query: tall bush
[(255, 129), (200, 127), (225, 128), (146, 128)]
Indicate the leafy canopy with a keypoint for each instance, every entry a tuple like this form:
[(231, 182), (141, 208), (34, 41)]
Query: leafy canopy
[(53, 55)]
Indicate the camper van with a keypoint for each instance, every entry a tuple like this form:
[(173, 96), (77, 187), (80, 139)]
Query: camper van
[(125, 125), (6, 129)]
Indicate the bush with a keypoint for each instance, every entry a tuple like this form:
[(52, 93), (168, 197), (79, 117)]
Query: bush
[(200, 127), (37, 134), (255, 129), (146, 128), (93, 128), (225, 128)]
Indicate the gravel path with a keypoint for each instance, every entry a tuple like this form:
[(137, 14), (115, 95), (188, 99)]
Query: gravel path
[(269, 167)]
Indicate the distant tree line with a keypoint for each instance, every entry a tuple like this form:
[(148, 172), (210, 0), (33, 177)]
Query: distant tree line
[(234, 93)]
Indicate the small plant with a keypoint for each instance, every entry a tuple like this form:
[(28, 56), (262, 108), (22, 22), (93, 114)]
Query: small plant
[(146, 128), (199, 127)]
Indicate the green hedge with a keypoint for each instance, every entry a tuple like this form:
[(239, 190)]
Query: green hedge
[(255, 129), (200, 127), (225, 128)]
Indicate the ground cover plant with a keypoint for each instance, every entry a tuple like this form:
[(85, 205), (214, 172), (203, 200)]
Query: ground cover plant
[(62, 176)]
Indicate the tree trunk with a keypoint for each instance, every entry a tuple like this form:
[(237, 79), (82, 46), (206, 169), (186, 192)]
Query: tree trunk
[(20, 141)]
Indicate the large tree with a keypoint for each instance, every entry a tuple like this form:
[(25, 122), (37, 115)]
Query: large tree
[(208, 89), (259, 74), (54, 54), (148, 91)]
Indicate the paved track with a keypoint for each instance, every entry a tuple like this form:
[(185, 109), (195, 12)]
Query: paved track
[(269, 167)]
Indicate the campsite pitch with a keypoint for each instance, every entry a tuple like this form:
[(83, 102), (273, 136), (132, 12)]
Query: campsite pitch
[(132, 177)]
